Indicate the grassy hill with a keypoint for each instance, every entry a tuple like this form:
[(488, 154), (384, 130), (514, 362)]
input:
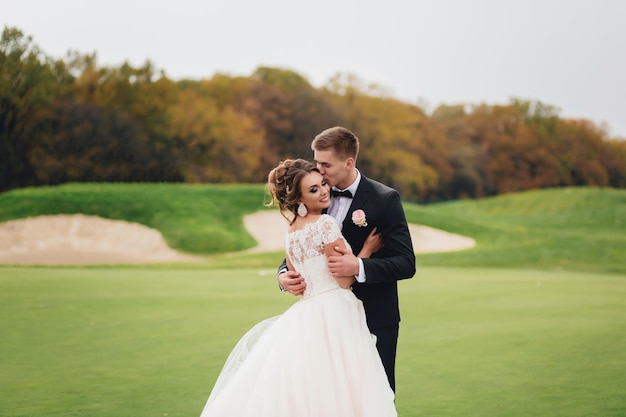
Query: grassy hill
[(571, 228), (199, 219)]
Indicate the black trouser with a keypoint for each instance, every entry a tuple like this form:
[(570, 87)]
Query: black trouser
[(387, 343)]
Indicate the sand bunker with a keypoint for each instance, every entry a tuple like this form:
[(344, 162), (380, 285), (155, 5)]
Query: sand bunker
[(269, 228), (78, 239)]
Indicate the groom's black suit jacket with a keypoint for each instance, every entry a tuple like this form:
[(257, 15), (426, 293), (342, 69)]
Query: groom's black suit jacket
[(395, 261)]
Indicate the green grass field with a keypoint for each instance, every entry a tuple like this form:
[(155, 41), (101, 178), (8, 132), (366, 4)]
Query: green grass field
[(531, 322), (148, 342)]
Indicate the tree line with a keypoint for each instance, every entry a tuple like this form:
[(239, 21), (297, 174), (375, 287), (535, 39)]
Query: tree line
[(70, 119)]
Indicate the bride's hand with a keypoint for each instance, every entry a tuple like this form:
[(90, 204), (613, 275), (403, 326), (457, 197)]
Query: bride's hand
[(373, 244)]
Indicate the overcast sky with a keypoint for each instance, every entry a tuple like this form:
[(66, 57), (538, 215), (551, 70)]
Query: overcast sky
[(567, 53)]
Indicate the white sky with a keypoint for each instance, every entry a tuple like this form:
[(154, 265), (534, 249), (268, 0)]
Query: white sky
[(567, 53)]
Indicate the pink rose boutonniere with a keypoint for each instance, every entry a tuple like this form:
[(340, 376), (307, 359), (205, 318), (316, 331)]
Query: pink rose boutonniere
[(358, 218)]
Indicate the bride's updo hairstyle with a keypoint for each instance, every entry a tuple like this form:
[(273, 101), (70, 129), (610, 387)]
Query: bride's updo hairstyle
[(283, 185)]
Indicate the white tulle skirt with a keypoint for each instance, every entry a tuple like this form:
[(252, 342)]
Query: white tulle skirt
[(317, 359)]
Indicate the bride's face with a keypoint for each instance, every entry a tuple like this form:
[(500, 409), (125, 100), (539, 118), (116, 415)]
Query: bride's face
[(314, 192)]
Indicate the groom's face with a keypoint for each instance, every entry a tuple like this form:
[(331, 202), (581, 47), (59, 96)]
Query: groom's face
[(335, 171)]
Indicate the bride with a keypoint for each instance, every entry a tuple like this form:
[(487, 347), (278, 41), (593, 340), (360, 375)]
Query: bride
[(318, 358)]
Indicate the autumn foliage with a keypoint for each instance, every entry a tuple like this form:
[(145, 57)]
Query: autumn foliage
[(71, 120)]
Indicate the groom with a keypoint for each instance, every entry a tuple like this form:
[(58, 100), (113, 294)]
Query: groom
[(360, 204)]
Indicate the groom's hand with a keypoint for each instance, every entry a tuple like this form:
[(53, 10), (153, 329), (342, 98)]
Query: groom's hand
[(344, 265), (292, 282)]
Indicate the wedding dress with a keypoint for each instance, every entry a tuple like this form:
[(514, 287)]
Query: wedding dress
[(317, 359)]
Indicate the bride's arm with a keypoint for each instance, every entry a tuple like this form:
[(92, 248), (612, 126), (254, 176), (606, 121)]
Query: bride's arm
[(372, 244), (329, 249)]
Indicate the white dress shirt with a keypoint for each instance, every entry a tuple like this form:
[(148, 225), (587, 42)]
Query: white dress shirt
[(339, 209)]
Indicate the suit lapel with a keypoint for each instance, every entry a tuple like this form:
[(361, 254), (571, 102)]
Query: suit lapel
[(358, 202)]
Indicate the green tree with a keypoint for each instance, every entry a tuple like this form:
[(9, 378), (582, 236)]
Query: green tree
[(582, 147), (29, 83), (217, 144), (613, 158), (290, 111), (81, 142), (467, 157), (399, 146), (137, 96)]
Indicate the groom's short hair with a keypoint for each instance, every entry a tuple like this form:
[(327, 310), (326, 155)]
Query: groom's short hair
[(338, 139)]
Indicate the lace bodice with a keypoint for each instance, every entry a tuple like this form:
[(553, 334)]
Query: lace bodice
[(305, 249)]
